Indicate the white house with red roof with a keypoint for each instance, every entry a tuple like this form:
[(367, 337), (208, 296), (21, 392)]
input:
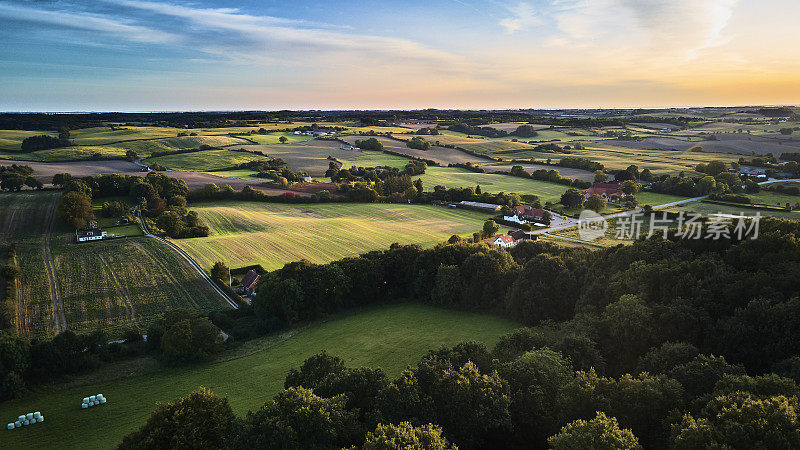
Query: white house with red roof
[(504, 240)]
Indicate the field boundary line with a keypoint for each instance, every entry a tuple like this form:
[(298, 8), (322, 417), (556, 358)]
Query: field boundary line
[(55, 288), (131, 312), (192, 263)]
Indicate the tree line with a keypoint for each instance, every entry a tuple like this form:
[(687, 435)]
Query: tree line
[(161, 198)]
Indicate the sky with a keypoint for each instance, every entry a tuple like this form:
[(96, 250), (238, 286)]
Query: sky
[(170, 55)]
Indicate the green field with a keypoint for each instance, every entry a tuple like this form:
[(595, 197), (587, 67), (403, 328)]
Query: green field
[(390, 337), (274, 138), (273, 234), (655, 199), (351, 158), (206, 160), (107, 284), (454, 177), (12, 139)]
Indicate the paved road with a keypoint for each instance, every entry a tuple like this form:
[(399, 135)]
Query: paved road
[(560, 222), (191, 262)]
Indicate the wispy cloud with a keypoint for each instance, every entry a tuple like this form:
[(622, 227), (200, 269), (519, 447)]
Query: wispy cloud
[(267, 38), (87, 22), (522, 16)]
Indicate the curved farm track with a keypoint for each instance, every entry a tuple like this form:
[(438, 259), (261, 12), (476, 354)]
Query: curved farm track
[(59, 319)]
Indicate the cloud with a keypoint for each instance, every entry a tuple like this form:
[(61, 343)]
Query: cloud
[(522, 17), (270, 38), (87, 22)]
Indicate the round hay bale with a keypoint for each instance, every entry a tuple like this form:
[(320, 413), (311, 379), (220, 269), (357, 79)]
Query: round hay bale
[(18, 424), (102, 400), (26, 422), (10, 426), (84, 405), (85, 399), (39, 419), (37, 414), (21, 418), (92, 398)]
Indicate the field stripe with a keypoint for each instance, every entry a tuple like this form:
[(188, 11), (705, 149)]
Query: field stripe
[(59, 319)]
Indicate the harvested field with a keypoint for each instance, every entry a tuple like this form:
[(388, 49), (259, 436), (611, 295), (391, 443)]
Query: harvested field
[(104, 284), (734, 143), (511, 126), (442, 155), (206, 161), (476, 144), (310, 156), (44, 171), (274, 234)]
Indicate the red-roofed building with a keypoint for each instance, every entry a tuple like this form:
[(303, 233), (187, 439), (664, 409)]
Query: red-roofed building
[(504, 240), (605, 190), (529, 213), (249, 282)]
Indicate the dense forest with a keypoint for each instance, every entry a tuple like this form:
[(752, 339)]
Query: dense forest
[(663, 343)]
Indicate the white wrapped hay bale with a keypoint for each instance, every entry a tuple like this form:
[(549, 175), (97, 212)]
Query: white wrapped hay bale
[(40, 419), (84, 405), (85, 399), (102, 400), (37, 414), (18, 424), (10, 426), (29, 416), (21, 418), (92, 398)]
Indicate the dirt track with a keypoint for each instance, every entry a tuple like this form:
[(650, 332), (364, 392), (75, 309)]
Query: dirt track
[(59, 319)]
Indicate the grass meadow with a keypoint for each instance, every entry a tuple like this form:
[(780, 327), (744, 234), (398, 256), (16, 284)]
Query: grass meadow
[(389, 337), (273, 234)]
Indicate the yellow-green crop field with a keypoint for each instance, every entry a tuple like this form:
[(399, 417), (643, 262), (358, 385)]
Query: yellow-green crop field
[(452, 177), (273, 234)]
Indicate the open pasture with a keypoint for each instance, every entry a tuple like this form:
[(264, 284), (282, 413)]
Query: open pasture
[(389, 337), (273, 234)]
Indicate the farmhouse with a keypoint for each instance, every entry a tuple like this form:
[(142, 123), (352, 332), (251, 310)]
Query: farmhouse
[(504, 240), (605, 190), (248, 283), (90, 235), (529, 213)]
